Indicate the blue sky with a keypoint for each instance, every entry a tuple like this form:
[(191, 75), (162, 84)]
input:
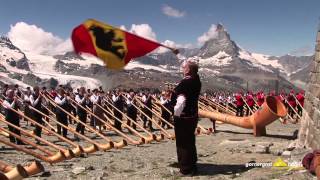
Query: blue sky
[(274, 27)]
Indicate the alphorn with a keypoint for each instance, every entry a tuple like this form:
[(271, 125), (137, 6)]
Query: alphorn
[(280, 119), (108, 125), (152, 120), (101, 146), (148, 139), (299, 103), (94, 147), (66, 155), (36, 137), (198, 130), (34, 168), (292, 107), (164, 132), (159, 103), (111, 126), (270, 110), (24, 140), (58, 157), (34, 109), (155, 113), (217, 105), (17, 173)]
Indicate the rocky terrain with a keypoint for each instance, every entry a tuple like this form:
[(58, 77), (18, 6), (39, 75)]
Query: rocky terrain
[(222, 155)]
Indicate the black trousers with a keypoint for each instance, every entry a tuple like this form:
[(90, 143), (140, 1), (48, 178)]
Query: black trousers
[(186, 143), (63, 119), (14, 130), (248, 110), (299, 110), (239, 111), (117, 123), (133, 116), (83, 118), (38, 119), (166, 116), (146, 121)]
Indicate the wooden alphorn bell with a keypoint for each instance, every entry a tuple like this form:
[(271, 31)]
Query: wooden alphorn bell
[(141, 141), (100, 146), (58, 157), (31, 169), (12, 173), (34, 168), (28, 142), (93, 148), (148, 139)]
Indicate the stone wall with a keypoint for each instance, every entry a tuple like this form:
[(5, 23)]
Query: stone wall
[(309, 134)]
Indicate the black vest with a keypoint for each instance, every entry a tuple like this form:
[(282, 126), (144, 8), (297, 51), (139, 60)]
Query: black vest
[(190, 88), (11, 116)]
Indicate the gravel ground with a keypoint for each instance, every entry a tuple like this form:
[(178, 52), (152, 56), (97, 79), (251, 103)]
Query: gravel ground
[(222, 155)]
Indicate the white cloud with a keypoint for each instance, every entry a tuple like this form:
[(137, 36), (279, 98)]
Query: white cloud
[(31, 38), (143, 30), (171, 44), (172, 12), (211, 33), (123, 27)]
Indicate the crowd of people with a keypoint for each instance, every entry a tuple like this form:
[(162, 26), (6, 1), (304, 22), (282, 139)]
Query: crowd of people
[(178, 106), (35, 104), (243, 102)]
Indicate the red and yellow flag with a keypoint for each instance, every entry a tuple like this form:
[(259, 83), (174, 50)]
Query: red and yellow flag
[(112, 45)]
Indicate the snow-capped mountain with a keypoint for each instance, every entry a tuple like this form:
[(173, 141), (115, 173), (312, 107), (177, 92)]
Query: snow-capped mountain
[(223, 64)]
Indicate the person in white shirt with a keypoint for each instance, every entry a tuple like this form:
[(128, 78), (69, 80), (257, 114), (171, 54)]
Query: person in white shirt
[(61, 100), (83, 102), (118, 102), (96, 101), (131, 110), (10, 103)]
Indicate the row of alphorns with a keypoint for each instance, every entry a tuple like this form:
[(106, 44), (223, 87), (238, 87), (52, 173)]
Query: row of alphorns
[(58, 153), (208, 104)]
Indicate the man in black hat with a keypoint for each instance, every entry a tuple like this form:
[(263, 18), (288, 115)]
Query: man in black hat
[(185, 97)]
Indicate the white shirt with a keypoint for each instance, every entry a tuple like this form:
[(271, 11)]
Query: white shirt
[(115, 98), (33, 101), (144, 98), (163, 100), (94, 98), (59, 101), (79, 100), (181, 103), (7, 105)]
